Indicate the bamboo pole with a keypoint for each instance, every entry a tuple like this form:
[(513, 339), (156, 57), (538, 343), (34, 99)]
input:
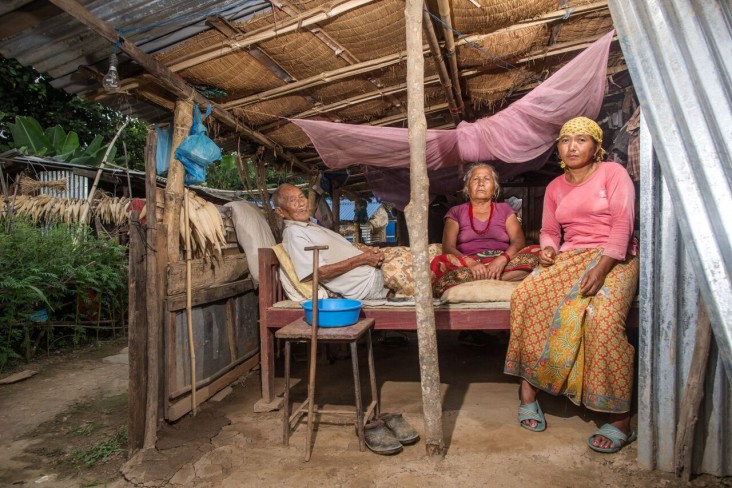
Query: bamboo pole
[(416, 213), (90, 198), (153, 302), (189, 318), (440, 65), (693, 396), (182, 122), (444, 8), (313, 351)]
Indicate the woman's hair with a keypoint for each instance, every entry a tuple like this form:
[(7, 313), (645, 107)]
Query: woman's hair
[(469, 174)]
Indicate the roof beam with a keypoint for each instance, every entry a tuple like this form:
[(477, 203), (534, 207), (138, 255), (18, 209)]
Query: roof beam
[(390, 60), (169, 80), (293, 24)]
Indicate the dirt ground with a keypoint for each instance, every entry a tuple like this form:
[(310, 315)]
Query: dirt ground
[(43, 419)]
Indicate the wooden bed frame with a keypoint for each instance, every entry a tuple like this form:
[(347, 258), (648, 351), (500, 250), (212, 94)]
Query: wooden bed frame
[(392, 318)]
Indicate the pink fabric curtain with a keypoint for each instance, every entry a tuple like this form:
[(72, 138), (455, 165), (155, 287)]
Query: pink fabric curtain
[(522, 132)]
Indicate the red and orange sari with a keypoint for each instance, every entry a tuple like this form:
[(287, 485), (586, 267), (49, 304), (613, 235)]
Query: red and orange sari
[(449, 270)]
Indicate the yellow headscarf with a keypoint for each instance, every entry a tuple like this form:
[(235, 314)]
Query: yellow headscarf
[(583, 125)]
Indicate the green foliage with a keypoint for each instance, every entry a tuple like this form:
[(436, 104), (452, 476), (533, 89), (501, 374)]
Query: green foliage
[(100, 452), (49, 267), (54, 142), (25, 92)]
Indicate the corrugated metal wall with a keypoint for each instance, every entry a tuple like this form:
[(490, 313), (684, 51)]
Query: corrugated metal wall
[(678, 56), (76, 186)]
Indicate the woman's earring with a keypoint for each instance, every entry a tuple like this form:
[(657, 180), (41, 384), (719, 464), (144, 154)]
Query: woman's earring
[(562, 164)]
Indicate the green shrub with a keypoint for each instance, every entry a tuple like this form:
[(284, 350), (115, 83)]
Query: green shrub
[(49, 267)]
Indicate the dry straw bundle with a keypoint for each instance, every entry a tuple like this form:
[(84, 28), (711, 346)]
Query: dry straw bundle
[(489, 89), (496, 14), (355, 30), (27, 186), (505, 45)]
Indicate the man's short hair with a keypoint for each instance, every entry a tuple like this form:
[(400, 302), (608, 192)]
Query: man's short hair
[(277, 196)]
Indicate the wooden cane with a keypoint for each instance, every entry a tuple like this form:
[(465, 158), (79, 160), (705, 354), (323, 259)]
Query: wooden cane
[(313, 350), (189, 318)]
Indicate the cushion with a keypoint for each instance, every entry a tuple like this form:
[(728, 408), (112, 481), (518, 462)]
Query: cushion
[(397, 268), (252, 232), (294, 289), (480, 291)]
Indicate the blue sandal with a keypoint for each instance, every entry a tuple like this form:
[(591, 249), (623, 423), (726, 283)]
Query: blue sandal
[(617, 436), (532, 411)]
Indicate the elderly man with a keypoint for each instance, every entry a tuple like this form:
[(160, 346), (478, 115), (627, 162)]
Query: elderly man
[(343, 269)]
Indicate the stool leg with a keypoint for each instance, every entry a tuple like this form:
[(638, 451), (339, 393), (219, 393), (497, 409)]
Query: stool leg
[(286, 406), (359, 404), (372, 373)]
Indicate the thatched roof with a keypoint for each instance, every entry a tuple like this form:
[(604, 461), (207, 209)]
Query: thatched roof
[(336, 60)]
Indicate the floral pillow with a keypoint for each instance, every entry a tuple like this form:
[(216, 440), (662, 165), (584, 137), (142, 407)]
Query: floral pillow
[(397, 268)]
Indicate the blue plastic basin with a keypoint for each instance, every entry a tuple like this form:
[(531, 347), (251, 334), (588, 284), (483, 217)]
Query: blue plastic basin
[(333, 312)]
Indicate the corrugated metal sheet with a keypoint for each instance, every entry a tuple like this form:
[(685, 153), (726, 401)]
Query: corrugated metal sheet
[(76, 186), (678, 56)]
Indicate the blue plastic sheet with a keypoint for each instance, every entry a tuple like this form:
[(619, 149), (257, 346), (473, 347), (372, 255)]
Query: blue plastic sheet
[(162, 150)]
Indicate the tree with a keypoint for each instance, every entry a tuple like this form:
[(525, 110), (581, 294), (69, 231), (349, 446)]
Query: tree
[(25, 91)]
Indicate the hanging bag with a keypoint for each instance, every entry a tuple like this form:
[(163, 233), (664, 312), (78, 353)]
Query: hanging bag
[(197, 150)]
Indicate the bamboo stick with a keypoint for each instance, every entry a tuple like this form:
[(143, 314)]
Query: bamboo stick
[(440, 65), (90, 198), (189, 318), (313, 350), (416, 213), (444, 8)]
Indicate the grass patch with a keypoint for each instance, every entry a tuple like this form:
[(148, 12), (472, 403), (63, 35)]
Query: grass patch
[(100, 452), (85, 429)]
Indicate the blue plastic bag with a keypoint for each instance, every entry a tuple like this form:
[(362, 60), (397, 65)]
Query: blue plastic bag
[(162, 150), (197, 150)]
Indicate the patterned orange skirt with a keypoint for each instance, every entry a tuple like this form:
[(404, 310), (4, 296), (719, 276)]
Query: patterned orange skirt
[(449, 270), (569, 344)]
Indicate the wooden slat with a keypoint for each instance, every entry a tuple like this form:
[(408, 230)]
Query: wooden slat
[(225, 269), (179, 408), (208, 295)]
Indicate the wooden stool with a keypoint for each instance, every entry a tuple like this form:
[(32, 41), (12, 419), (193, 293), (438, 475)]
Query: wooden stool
[(300, 331)]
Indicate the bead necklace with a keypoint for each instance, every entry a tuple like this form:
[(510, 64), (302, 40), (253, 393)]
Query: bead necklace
[(472, 224)]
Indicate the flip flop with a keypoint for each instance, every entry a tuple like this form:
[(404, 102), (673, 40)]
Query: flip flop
[(617, 436), (531, 411)]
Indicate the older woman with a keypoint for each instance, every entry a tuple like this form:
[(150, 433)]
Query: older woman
[(568, 317), (482, 238)]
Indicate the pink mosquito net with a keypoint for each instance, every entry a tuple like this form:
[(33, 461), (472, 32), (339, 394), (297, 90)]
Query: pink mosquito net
[(524, 132)]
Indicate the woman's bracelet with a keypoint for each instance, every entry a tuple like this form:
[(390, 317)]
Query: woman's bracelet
[(507, 256)]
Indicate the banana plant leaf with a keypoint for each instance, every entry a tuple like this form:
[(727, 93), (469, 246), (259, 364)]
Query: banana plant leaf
[(28, 136)]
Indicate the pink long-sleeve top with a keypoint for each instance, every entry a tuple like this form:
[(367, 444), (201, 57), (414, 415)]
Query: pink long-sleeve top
[(597, 213)]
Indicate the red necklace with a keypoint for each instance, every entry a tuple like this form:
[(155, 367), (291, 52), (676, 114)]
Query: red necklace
[(472, 225)]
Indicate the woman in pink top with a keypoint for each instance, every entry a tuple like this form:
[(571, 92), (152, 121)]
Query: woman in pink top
[(482, 238), (568, 317)]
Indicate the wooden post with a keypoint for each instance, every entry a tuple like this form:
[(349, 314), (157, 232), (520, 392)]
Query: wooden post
[(312, 195), (182, 121), (137, 339), (693, 395), (336, 208), (153, 301), (416, 213)]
